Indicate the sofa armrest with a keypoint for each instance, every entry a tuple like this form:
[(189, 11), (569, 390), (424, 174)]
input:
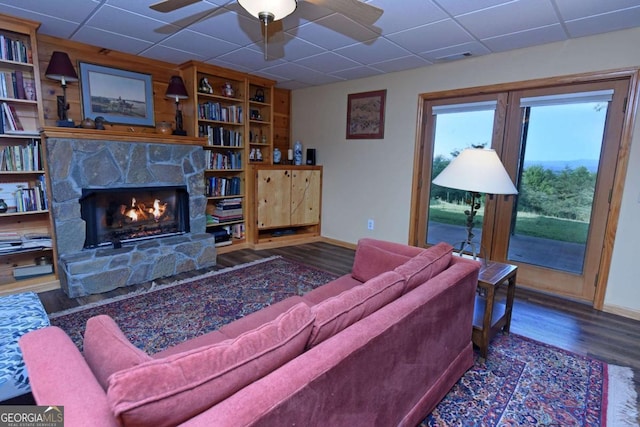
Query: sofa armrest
[(63, 378)]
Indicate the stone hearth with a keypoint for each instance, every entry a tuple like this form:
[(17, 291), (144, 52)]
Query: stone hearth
[(76, 163)]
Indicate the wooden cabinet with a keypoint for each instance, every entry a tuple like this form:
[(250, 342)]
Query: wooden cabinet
[(288, 203), (232, 112), (25, 227)]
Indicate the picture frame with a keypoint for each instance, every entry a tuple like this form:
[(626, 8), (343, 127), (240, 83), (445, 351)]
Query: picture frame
[(365, 115), (120, 96)]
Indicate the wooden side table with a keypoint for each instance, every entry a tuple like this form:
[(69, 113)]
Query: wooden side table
[(490, 316)]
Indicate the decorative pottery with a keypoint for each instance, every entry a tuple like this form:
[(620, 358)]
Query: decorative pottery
[(297, 153), (277, 155)]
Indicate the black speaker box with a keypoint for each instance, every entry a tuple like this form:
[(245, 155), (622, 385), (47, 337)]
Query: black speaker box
[(311, 156)]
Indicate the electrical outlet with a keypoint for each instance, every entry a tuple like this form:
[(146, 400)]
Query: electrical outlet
[(370, 224)]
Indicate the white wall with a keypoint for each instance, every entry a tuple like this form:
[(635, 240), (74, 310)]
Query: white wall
[(372, 178)]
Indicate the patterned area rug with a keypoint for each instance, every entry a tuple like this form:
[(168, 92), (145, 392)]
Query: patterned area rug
[(527, 383), (173, 313)]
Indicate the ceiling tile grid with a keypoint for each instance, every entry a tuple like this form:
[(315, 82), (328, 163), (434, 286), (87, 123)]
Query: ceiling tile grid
[(314, 45)]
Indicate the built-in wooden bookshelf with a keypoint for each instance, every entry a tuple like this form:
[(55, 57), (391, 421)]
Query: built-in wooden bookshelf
[(232, 112), (25, 226)]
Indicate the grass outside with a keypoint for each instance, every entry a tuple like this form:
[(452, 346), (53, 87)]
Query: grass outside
[(527, 224)]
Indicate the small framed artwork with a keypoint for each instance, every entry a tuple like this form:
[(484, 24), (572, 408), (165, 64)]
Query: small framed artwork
[(120, 96), (365, 115)]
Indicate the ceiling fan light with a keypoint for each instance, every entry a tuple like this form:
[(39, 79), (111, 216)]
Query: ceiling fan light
[(279, 8)]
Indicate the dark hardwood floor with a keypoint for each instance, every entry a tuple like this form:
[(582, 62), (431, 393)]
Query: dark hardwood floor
[(566, 324)]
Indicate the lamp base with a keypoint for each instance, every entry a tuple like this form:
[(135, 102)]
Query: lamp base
[(65, 124), (180, 132)]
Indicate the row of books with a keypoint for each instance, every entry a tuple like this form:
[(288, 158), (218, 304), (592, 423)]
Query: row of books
[(218, 186), (9, 120), (21, 158), (14, 50), (16, 85), (219, 136), (25, 197), (228, 160), (223, 113)]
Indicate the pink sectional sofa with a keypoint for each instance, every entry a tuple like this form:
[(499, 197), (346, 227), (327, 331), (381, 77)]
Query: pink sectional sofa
[(380, 346)]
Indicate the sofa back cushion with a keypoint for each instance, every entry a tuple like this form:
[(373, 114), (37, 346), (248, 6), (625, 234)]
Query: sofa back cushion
[(107, 350), (343, 310), (374, 257), (169, 391), (425, 265)]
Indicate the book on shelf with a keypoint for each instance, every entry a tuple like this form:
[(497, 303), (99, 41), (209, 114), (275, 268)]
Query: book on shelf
[(25, 197), (11, 118)]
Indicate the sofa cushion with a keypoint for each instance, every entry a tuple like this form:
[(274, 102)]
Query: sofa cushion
[(331, 289), (169, 391), (107, 350), (374, 257), (341, 311), (425, 265)]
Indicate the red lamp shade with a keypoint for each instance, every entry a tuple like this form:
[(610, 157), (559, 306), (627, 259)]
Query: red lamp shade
[(60, 68), (176, 89)]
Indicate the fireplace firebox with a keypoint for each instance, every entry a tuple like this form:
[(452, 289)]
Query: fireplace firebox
[(120, 215)]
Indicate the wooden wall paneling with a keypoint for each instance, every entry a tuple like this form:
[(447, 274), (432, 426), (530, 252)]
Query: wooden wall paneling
[(164, 108), (281, 120)]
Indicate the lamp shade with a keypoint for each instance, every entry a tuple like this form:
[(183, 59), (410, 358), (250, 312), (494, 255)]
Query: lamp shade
[(176, 89), (477, 170), (60, 68), (278, 8)]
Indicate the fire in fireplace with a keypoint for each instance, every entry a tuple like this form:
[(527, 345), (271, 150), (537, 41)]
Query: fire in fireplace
[(119, 215)]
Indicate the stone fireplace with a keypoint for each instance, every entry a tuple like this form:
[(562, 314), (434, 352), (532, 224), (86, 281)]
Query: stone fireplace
[(98, 185)]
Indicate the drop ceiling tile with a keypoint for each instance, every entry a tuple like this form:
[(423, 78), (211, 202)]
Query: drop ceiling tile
[(49, 25), (199, 44), (303, 74), (399, 64), (248, 58), (167, 54), (327, 62), (357, 73), (379, 50), (191, 12), (129, 24), (530, 13), (552, 33), (74, 10), (432, 36), (612, 21), (334, 31), (412, 13), (459, 7), (108, 40), (230, 26), (296, 48), (438, 55), (575, 9)]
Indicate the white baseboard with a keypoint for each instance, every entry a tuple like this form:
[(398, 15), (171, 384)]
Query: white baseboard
[(621, 311)]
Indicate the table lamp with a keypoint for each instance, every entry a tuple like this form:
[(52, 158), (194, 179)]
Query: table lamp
[(61, 69), (476, 171), (177, 90)]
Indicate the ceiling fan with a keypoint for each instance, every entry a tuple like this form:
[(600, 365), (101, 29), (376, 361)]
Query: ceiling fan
[(272, 11)]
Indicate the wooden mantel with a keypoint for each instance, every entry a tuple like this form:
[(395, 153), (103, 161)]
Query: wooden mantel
[(137, 136)]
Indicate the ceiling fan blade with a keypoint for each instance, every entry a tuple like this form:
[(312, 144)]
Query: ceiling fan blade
[(355, 9), (171, 5)]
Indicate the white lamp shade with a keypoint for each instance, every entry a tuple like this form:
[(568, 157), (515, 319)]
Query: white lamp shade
[(279, 8), (478, 170)]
